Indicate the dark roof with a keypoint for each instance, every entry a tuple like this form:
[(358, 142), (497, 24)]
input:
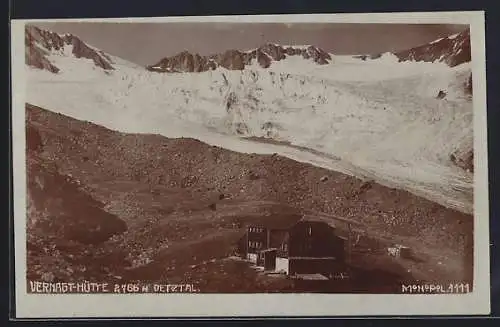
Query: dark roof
[(331, 217), (269, 250), (328, 222), (276, 221), (278, 237)]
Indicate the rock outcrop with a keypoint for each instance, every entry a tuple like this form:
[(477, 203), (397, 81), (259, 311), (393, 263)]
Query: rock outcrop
[(35, 55), (463, 158)]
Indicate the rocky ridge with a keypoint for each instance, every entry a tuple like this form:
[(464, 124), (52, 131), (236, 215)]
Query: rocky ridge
[(452, 50), (237, 60)]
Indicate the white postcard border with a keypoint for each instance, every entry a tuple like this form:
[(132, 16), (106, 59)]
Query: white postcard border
[(247, 305)]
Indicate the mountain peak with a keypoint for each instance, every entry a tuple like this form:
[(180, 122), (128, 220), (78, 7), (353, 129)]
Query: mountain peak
[(452, 50), (40, 44), (233, 59)]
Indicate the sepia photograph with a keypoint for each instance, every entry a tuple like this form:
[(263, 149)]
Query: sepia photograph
[(250, 157)]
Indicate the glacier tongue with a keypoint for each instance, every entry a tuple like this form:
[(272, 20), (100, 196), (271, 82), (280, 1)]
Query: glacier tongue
[(378, 119)]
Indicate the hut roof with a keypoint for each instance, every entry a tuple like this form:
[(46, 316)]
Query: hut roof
[(276, 221), (329, 222), (330, 217)]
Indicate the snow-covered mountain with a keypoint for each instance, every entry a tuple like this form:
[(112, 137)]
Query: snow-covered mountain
[(453, 50), (41, 44), (237, 60), (406, 124)]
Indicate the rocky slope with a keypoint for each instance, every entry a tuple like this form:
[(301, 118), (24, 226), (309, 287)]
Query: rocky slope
[(40, 44), (237, 60), (64, 223), (174, 204)]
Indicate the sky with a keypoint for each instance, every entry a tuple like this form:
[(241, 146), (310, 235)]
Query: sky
[(147, 43)]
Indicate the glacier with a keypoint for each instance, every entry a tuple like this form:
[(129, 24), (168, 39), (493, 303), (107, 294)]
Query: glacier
[(378, 119)]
